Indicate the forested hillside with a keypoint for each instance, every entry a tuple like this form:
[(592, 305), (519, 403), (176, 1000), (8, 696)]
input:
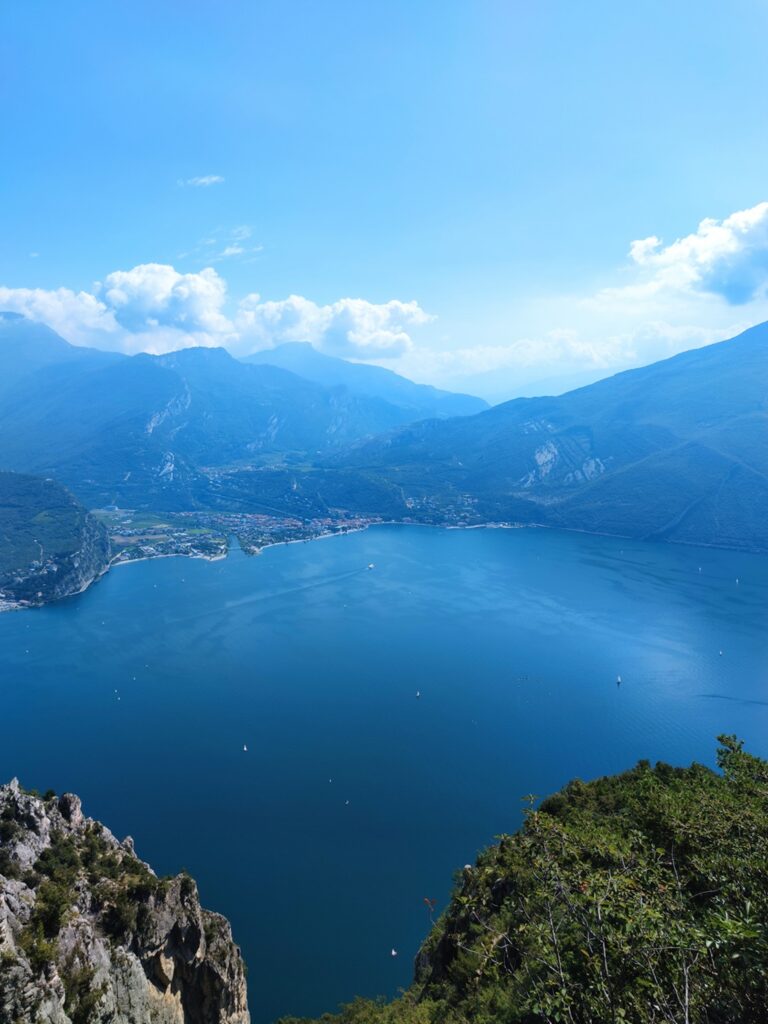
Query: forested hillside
[(50, 546), (639, 897), (676, 451)]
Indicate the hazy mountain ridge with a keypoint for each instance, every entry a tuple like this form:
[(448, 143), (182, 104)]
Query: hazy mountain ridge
[(26, 346), (676, 450), (419, 401), (143, 430)]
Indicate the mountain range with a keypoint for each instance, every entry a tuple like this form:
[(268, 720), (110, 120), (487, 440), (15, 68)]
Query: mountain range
[(673, 451), (418, 401), (677, 451), (139, 430)]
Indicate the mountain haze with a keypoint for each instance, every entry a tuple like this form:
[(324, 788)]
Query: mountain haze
[(26, 347), (677, 450), (420, 401), (139, 430), (674, 451)]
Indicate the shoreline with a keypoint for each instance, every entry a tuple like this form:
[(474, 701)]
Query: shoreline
[(154, 558), (308, 540), (20, 606), (7, 605)]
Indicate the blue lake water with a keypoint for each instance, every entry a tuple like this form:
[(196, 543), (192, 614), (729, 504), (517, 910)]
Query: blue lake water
[(514, 639)]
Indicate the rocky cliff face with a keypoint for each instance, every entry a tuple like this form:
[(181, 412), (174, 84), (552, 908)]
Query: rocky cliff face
[(77, 569), (50, 546), (90, 935)]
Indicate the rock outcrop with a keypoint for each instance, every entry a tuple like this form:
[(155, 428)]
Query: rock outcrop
[(51, 546), (90, 935)]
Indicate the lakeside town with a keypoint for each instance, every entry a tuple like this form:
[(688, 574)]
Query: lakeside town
[(138, 535)]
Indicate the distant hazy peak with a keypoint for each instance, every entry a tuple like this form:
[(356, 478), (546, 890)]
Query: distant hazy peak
[(424, 400)]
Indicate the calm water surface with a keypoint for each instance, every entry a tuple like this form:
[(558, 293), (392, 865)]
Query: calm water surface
[(355, 800)]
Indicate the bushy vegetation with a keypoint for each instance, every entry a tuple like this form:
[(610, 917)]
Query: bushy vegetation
[(121, 886), (45, 534), (81, 872), (640, 897), (82, 993), (35, 515)]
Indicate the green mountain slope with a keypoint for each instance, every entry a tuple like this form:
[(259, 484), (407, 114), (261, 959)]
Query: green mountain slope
[(640, 897), (26, 347), (144, 430), (49, 545), (676, 450), (419, 401)]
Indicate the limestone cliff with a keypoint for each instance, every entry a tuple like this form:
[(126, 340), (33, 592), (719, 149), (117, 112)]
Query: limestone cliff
[(50, 546), (90, 935)]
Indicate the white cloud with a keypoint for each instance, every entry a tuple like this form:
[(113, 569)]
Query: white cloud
[(78, 316), (224, 244), (727, 258), (349, 327), (204, 181), (155, 294), (526, 356), (151, 308), (708, 285), (155, 308)]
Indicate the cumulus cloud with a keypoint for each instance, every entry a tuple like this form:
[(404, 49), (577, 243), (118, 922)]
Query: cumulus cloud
[(203, 181), (700, 288), (706, 286), (151, 308), (349, 327), (155, 308), (79, 317), (726, 258), (155, 294)]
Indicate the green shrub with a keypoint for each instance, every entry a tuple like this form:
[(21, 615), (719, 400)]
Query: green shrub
[(640, 897), (82, 997), (53, 901), (39, 951)]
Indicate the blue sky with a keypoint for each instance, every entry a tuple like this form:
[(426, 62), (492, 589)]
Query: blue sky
[(470, 175)]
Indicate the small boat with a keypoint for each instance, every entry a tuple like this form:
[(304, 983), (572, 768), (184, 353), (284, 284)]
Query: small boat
[(418, 693), (618, 680), (245, 748), (393, 952), (371, 565)]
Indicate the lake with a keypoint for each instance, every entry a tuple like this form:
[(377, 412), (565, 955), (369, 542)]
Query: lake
[(356, 799)]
